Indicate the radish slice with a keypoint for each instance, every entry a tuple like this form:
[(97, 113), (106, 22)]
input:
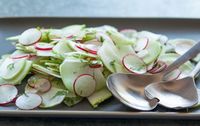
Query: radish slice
[(95, 65), (134, 64), (43, 46), (30, 36), (151, 66), (141, 44), (28, 101), (8, 93), (88, 48), (40, 84), (159, 66), (84, 85), (172, 75), (22, 56)]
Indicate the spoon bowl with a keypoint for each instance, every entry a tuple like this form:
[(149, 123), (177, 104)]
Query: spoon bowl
[(181, 93), (176, 94), (130, 88), (127, 86)]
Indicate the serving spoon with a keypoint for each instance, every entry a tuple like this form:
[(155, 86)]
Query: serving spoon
[(175, 94), (129, 88)]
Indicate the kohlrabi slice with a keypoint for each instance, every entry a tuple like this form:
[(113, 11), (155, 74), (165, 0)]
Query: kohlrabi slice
[(13, 38), (50, 99), (185, 69), (183, 45), (108, 54), (100, 79), (98, 97), (45, 70), (3, 81), (71, 71), (10, 69), (62, 47), (105, 28), (30, 36), (73, 30), (152, 36), (22, 75), (154, 49), (71, 101), (130, 33), (120, 39)]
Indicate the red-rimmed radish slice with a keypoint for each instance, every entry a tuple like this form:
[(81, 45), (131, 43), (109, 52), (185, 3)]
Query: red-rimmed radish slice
[(88, 48), (22, 56), (28, 101), (8, 93), (95, 65), (151, 66), (43, 46), (30, 36), (70, 36), (84, 85), (141, 44), (40, 84), (159, 66), (134, 64), (172, 75)]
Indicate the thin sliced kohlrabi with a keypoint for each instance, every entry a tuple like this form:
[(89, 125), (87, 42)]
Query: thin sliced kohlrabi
[(99, 97), (10, 69), (154, 49), (109, 54), (120, 39), (186, 68), (45, 70), (71, 69), (18, 79), (62, 47)]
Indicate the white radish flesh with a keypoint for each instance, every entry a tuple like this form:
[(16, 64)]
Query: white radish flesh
[(43, 46), (84, 85), (88, 48), (159, 66), (30, 36), (7, 94), (134, 64), (28, 101), (40, 84), (141, 44)]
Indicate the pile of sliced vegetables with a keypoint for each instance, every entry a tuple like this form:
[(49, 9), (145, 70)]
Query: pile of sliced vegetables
[(69, 64)]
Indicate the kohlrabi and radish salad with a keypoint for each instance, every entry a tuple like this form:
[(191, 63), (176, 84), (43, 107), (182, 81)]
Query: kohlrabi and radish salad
[(70, 64)]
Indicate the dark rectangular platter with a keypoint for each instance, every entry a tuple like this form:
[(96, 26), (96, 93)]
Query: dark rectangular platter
[(112, 108)]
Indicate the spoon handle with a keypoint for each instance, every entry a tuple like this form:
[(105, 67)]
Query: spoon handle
[(191, 53), (196, 70)]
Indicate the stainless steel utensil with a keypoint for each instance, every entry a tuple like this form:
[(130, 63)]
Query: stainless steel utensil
[(129, 88), (175, 94)]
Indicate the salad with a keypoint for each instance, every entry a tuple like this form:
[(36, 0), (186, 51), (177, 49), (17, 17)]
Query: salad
[(70, 64)]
